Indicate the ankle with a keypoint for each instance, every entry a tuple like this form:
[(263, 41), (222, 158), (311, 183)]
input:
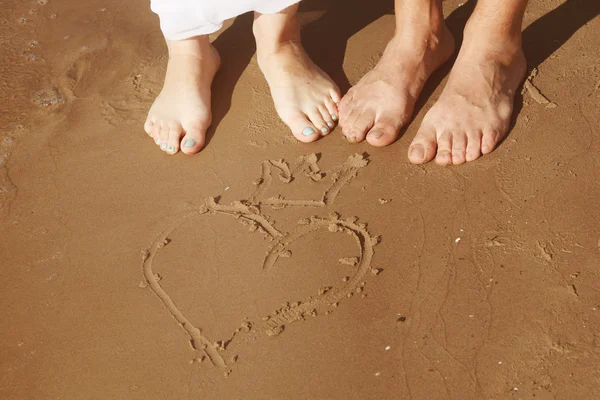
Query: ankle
[(274, 31)]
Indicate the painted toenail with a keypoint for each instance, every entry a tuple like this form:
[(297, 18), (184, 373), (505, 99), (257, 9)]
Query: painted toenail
[(157, 141), (334, 117), (324, 130), (163, 146), (376, 134), (417, 152), (308, 131), (189, 143), (171, 148), (330, 124)]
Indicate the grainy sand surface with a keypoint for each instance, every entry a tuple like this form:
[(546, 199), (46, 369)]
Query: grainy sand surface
[(263, 268)]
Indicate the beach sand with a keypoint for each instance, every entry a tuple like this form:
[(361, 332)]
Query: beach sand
[(263, 268)]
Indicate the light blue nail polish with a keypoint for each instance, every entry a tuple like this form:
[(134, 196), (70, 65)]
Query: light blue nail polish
[(334, 117), (163, 146), (189, 143), (157, 141), (330, 124), (171, 148), (308, 131), (324, 130)]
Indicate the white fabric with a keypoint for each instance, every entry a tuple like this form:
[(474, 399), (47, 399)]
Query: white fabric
[(182, 19)]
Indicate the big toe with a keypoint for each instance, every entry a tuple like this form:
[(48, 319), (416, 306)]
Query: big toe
[(301, 126), (383, 133), (193, 140), (423, 147)]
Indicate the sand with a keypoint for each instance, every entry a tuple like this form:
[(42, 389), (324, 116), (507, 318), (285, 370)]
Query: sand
[(263, 268)]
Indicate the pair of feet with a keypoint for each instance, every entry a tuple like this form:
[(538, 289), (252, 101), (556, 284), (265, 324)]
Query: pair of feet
[(469, 119)]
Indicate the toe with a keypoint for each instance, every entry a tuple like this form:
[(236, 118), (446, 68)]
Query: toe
[(317, 120), (489, 141), (332, 110), (345, 107), (444, 153), (326, 115), (362, 125), (335, 95), (422, 149), (459, 148), (383, 133), (473, 145), (164, 136), (156, 133), (175, 133), (302, 128), (148, 125), (195, 134)]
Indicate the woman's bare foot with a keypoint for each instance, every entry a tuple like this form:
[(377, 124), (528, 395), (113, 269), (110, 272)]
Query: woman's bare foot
[(181, 113), (305, 97), (384, 99), (473, 113)]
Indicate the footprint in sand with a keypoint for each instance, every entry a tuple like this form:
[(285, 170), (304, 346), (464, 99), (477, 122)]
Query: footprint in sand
[(250, 213)]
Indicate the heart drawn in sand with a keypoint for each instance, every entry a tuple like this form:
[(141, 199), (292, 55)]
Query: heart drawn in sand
[(250, 213)]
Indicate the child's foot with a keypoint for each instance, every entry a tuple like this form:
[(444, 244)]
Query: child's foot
[(305, 97), (473, 113), (181, 114)]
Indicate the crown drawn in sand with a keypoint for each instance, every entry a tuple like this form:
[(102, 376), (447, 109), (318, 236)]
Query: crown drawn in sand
[(250, 213)]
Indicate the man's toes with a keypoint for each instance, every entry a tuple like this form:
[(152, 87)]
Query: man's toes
[(459, 148), (345, 107), (489, 141), (317, 120), (362, 125), (382, 134), (422, 149), (175, 133), (473, 145), (444, 152), (301, 127)]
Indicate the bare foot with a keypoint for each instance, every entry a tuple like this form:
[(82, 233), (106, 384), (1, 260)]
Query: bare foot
[(384, 99), (181, 114), (473, 113), (305, 97)]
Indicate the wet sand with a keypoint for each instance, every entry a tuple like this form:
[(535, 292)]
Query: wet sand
[(263, 268)]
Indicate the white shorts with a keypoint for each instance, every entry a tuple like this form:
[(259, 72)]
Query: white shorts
[(182, 19)]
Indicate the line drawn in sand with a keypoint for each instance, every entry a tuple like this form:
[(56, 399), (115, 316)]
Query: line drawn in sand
[(249, 212)]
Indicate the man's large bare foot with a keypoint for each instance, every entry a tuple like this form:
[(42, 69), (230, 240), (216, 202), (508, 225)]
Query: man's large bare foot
[(181, 113), (384, 99), (305, 97), (473, 113)]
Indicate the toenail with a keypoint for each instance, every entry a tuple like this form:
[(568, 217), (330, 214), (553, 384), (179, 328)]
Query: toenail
[(324, 130), (351, 139), (334, 117), (189, 143), (330, 124), (171, 148), (376, 134), (163, 146), (157, 141), (417, 152), (308, 131)]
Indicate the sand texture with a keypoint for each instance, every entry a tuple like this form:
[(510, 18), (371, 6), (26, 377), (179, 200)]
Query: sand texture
[(263, 268)]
